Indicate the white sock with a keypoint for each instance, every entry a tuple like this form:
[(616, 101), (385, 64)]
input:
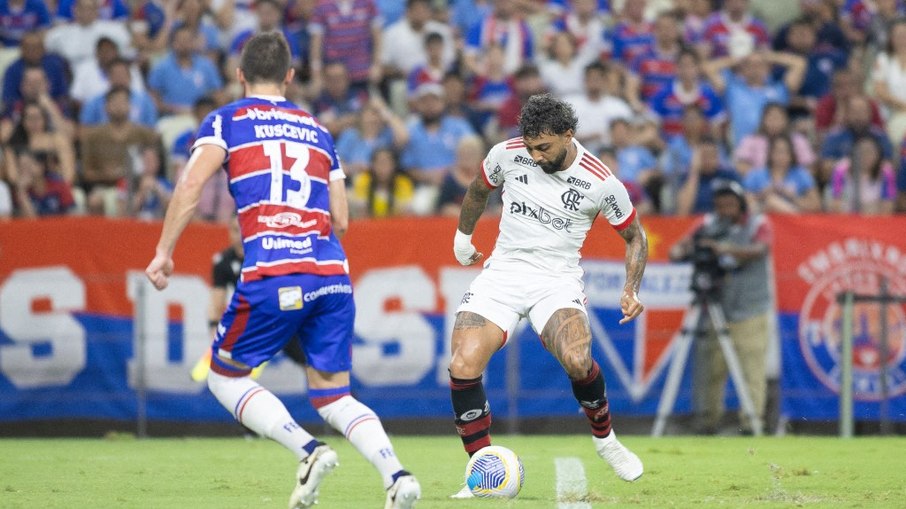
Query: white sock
[(259, 410), (363, 429)]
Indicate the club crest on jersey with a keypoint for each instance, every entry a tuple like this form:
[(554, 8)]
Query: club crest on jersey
[(284, 220), (527, 161), (541, 215), (571, 199)]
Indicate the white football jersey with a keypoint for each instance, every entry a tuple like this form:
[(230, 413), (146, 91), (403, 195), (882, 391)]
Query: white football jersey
[(547, 217)]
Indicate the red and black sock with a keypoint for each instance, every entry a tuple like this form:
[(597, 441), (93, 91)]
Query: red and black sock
[(591, 394), (473, 413)]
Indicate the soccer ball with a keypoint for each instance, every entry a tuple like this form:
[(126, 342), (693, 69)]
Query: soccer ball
[(495, 471)]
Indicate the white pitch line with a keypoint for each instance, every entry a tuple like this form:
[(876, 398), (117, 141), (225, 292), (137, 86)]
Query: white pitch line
[(571, 484)]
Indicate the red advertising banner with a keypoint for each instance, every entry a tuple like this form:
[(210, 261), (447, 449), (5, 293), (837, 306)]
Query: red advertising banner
[(68, 295)]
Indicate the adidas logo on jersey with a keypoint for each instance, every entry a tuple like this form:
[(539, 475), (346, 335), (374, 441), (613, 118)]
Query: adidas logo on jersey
[(523, 179)]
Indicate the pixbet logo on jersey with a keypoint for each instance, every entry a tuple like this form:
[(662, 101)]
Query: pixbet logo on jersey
[(858, 265), (541, 215)]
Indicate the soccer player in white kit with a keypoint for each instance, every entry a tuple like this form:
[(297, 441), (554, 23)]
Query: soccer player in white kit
[(552, 190)]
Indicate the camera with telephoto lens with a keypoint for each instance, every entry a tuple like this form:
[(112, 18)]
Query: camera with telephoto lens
[(707, 268)]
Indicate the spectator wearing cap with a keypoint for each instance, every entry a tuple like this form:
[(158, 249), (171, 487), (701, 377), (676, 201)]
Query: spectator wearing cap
[(433, 137), (77, 40), (338, 103), (404, 42), (183, 76), (34, 54), (92, 77), (20, 17), (142, 108)]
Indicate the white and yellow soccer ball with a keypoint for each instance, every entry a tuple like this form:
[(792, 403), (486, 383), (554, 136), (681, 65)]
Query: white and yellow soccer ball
[(495, 471)]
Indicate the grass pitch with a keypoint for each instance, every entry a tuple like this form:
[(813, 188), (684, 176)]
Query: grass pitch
[(237, 473)]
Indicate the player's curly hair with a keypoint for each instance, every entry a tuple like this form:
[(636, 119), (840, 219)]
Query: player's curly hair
[(545, 114)]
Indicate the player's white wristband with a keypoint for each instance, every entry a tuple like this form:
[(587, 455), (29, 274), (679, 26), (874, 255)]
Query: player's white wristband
[(463, 249)]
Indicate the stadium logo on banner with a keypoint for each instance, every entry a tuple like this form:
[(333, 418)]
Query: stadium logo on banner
[(858, 265)]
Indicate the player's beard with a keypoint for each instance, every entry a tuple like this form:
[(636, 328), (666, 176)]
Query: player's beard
[(555, 165)]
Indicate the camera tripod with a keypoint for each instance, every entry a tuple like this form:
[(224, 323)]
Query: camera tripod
[(692, 326)]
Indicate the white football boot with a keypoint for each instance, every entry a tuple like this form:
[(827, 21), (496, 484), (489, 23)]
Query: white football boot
[(464, 492), (624, 462), (403, 493), (312, 470)]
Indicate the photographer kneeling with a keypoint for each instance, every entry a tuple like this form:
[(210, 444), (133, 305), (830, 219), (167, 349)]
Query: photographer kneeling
[(729, 251)]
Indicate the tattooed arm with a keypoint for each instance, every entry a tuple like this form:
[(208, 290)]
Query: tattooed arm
[(473, 205), (636, 259)]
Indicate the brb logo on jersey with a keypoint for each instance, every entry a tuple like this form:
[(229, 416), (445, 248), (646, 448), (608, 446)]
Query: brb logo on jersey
[(541, 215), (857, 265), (527, 161), (573, 181)]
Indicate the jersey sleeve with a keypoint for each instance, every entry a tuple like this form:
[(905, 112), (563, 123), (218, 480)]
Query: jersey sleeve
[(336, 168), (210, 132), (491, 169), (616, 205)]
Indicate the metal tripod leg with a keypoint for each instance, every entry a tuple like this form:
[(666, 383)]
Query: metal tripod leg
[(677, 364), (719, 323)]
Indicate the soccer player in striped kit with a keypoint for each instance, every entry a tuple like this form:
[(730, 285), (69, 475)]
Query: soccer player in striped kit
[(554, 191), (288, 185)]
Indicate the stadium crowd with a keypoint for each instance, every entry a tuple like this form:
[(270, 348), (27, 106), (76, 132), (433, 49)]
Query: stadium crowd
[(803, 103)]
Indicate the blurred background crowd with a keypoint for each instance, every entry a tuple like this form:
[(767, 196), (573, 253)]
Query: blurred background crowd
[(803, 102)]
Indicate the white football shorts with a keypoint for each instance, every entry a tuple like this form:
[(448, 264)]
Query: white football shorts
[(505, 296)]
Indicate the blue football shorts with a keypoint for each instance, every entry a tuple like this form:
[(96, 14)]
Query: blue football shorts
[(264, 314)]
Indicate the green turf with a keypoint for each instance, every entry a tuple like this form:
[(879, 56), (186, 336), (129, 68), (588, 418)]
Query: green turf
[(236, 473)]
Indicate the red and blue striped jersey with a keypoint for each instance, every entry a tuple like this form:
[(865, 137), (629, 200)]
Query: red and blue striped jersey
[(279, 163)]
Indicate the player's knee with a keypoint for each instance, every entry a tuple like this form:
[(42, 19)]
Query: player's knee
[(466, 365), (576, 365)]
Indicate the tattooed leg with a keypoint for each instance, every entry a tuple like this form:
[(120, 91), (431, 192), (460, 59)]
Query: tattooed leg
[(475, 340), (568, 337)]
